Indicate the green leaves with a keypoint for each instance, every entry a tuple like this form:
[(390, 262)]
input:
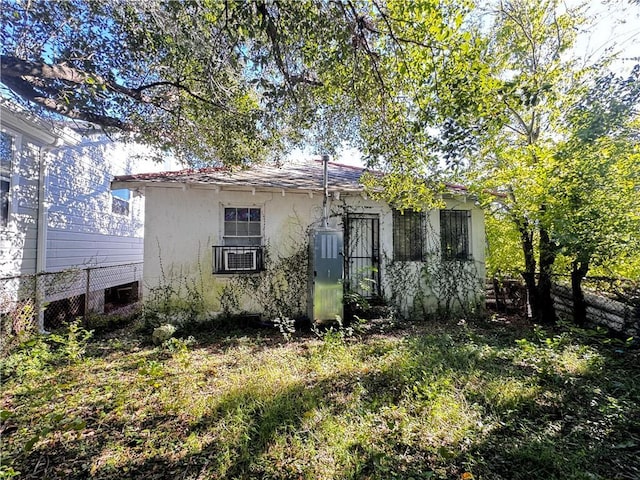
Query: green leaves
[(236, 82), (595, 202), (563, 157)]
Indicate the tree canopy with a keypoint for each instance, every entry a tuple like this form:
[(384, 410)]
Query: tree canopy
[(563, 158), (240, 81)]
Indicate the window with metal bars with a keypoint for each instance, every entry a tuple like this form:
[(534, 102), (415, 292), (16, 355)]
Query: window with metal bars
[(408, 236), (454, 234)]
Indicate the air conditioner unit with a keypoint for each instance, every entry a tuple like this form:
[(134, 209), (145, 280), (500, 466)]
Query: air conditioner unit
[(240, 259)]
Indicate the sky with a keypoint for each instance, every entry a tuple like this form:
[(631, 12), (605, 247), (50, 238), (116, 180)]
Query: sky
[(617, 26)]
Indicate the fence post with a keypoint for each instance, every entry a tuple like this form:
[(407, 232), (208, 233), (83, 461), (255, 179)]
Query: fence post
[(39, 301), (85, 317)]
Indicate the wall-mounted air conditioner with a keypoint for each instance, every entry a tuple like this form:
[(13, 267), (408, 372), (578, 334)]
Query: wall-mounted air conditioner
[(236, 259)]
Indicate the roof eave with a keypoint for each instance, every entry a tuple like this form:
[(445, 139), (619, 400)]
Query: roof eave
[(229, 187)]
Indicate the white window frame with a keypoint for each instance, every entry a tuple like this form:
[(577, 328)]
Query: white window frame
[(231, 255), (16, 145), (241, 240)]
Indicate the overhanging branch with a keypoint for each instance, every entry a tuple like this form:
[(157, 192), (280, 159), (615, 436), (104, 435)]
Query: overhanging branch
[(25, 90), (34, 73)]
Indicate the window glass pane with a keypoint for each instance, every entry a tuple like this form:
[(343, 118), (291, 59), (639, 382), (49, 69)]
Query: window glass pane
[(243, 214), (243, 223), (119, 206), (454, 234), (229, 214), (6, 142), (243, 229), (254, 229), (253, 241), (230, 228), (4, 202), (407, 236), (122, 193)]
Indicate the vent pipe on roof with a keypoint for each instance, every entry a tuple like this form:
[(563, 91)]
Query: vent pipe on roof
[(325, 183)]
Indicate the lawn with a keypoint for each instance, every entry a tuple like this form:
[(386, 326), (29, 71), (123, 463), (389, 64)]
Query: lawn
[(485, 400)]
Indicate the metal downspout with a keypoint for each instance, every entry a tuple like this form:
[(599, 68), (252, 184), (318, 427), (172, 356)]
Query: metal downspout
[(325, 184)]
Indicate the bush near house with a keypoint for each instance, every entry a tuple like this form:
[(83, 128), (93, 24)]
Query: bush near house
[(442, 400)]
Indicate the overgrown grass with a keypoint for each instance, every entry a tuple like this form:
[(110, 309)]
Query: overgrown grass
[(443, 401)]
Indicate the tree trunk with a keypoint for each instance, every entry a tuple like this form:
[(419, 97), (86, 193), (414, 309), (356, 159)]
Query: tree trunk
[(546, 311), (539, 293), (578, 272), (529, 273)]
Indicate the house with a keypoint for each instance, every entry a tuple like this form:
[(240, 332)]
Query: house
[(59, 220), (280, 242)]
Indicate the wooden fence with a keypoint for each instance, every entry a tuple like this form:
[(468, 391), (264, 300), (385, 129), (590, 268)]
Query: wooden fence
[(603, 310), (619, 313)]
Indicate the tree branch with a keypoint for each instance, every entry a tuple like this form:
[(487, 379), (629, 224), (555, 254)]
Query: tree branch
[(16, 67), (22, 88), (520, 120), (273, 34), (31, 72)]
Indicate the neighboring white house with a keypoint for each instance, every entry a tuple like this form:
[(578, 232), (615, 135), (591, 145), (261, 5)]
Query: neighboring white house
[(58, 213), (267, 240)]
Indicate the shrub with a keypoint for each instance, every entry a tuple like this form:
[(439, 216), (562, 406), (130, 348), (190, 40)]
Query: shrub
[(163, 333), (73, 345)]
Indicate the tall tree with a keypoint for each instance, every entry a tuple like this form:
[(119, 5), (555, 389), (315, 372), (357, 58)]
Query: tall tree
[(535, 82), (550, 155), (594, 206), (230, 81)]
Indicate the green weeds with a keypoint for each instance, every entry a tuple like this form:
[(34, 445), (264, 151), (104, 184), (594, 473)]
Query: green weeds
[(448, 401), (41, 353)]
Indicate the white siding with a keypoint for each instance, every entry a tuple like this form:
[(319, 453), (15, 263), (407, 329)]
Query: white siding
[(68, 249), (82, 229), (18, 240), (76, 209)]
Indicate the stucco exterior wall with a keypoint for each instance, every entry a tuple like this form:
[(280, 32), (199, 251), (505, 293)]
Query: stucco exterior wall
[(182, 225), (184, 222)]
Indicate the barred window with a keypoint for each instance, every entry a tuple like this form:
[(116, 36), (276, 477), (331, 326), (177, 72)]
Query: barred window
[(454, 234), (408, 235)]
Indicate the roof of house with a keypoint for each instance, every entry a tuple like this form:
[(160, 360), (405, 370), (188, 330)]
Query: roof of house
[(302, 176), (293, 176)]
